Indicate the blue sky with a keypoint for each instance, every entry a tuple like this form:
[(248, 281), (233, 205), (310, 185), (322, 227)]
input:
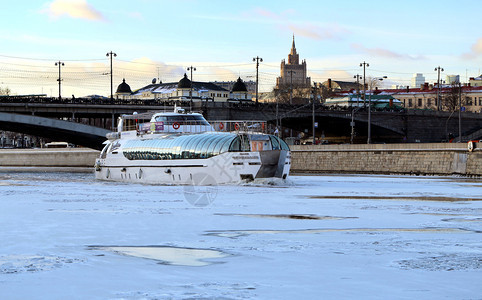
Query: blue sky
[(220, 38)]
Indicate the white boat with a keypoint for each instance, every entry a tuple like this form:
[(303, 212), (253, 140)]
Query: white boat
[(183, 148)]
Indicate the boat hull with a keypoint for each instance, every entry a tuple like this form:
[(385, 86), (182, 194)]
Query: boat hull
[(225, 168)]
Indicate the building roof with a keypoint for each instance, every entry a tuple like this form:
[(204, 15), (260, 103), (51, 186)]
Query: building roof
[(342, 85), (415, 91), (184, 83), (167, 88), (123, 88), (239, 86)]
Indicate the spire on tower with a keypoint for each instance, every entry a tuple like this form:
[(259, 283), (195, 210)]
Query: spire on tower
[(293, 57), (293, 48)]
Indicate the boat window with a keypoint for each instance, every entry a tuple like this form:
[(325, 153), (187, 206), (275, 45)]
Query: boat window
[(214, 141), (184, 146), (235, 145), (103, 154), (275, 142), (182, 119), (161, 119), (240, 144), (201, 148)]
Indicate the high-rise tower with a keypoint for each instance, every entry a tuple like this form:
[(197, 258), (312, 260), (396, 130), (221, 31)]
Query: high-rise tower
[(293, 73)]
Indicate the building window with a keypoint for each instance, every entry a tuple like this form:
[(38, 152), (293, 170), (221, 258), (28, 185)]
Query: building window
[(420, 102), (429, 102), (409, 102), (480, 101), (468, 100)]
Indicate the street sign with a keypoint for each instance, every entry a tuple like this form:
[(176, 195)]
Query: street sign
[(462, 108), (316, 124)]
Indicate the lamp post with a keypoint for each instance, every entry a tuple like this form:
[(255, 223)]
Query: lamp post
[(460, 112), (439, 105), (352, 123), (111, 54), (364, 65), (369, 139), (314, 90), (191, 68), (358, 77), (59, 63), (257, 59)]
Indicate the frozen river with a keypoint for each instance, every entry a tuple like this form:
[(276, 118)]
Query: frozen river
[(67, 236)]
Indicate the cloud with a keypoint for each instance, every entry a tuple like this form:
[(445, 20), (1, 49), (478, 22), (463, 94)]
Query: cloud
[(380, 52), (333, 74), (136, 15), (475, 50), (77, 9), (310, 30), (316, 32)]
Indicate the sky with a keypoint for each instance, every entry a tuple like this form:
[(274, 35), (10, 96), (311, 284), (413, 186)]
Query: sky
[(161, 39)]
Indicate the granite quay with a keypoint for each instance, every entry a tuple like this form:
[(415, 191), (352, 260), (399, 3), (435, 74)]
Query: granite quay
[(414, 159)]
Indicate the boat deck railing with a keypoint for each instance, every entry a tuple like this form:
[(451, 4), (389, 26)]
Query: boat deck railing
[(249, 126), (197, 126)]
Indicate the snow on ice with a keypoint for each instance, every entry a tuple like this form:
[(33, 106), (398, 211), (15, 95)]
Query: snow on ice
[(67, 236)]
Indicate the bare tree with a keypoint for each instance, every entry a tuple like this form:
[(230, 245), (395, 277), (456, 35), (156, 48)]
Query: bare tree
[(451, 98), (299, 94), (5, 91)]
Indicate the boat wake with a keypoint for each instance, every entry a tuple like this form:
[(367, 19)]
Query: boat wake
[(273, 181)]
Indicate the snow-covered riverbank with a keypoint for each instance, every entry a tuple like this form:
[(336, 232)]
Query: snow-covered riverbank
[(67, 236)]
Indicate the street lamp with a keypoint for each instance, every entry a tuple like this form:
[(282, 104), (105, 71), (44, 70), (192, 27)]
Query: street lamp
[(314, 90), (439, 105), (460, 112), (191, 68), (111, 54), (257, 59), (373, 80), (358, 77), (59, 63), (364, 65)]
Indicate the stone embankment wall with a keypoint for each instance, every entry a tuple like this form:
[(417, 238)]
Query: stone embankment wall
[(423, 159), (66, 157)]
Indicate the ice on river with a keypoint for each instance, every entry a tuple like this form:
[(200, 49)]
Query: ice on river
[(67, 236)]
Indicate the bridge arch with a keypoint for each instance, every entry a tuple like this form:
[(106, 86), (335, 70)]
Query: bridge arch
[(75, 133)]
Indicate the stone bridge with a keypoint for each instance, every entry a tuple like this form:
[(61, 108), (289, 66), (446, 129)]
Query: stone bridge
[(58, 130), (333, 123)]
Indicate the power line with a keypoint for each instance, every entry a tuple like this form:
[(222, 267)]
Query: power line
[(48, 59)]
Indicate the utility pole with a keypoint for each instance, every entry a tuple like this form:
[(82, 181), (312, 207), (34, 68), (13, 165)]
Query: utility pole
[(111, 54), (358, 77), (460, 112), (191, 68), (439, 104), (291, 85), (59, 63), (314, 90), (364, 65), (257, 59)]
